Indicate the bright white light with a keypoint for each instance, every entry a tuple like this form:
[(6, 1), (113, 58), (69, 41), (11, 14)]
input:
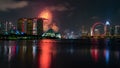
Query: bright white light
[(107, 23)]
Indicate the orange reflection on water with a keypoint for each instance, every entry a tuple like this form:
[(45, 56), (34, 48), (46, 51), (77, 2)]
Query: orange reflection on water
[(46, 53)]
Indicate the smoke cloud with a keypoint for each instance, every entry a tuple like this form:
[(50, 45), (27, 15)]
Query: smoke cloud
[(60, 7), (5, 5)]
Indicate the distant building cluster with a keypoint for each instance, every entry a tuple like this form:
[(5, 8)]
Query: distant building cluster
[(35, 26), (29, 27), (6, 27), (98, 29), (108, 30)]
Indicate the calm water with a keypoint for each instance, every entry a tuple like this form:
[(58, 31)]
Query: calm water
[(59, 54)]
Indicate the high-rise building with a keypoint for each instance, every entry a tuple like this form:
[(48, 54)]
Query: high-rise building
[(35, 26), (117, 30), (112, 30), (21, 25), (2, 28), (107, 28), (39, 26), (29, 27)]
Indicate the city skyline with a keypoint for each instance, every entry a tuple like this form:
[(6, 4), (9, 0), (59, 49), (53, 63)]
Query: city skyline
[(79, 12)]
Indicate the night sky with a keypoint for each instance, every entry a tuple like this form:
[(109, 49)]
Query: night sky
[(68, 14)]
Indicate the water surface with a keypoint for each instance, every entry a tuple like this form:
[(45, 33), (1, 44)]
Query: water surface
[(59, 54)]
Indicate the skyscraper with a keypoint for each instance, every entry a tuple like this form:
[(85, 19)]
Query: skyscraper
[(29, 27), (39, 26), (35, 26), (21, 25)]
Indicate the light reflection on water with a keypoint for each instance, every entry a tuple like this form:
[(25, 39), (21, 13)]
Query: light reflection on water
[(95, 54), (46, 53), (107, 55), (53, 54)]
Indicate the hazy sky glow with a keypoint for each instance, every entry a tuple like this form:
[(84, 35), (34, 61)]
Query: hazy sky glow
[(68, 14)]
